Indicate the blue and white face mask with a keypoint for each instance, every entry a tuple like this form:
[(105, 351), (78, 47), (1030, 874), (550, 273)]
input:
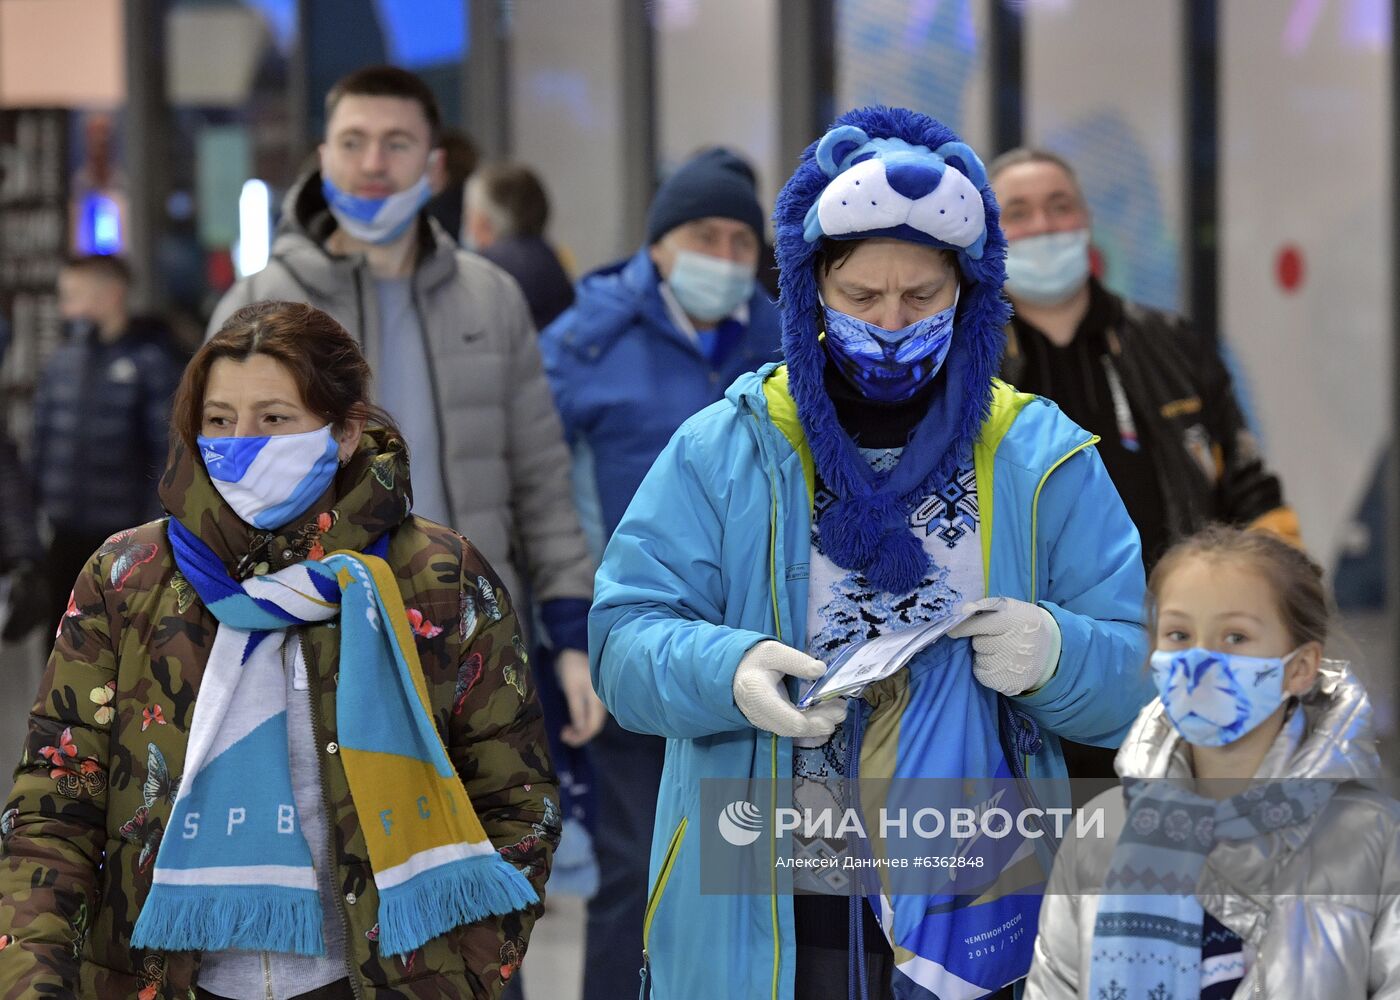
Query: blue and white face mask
[(270, 480), (376, 220), (889, 366), (1214, 699)]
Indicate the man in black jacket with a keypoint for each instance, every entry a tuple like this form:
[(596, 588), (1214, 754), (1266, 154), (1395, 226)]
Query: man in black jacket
[(1173, 438), (101, 410)]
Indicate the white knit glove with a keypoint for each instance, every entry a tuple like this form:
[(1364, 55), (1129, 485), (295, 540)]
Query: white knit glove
[(1015, 645), (761, 696)]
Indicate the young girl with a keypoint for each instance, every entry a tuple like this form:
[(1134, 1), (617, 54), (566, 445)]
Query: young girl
[(1248, 853)]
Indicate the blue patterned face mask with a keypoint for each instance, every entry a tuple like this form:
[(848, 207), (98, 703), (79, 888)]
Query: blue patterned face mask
[(269, 480), (889, 366), (1216, 698)]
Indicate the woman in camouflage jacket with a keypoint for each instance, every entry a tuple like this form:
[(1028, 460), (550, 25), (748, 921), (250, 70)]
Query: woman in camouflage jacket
[(109, 730)]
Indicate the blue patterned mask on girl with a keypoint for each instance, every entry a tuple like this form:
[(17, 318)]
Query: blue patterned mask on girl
[(889, 365), (1216, 698)]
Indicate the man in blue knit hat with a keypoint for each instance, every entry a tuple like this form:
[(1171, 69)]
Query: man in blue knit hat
[(878, 480), (649, 341)]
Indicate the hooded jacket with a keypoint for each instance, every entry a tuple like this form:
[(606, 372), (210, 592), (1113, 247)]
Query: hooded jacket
[(504, 463), (81, 827), (625, 378), (1318, 905), (713, 557)]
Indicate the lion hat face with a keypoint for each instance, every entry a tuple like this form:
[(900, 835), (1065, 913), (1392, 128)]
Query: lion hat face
[(897, 174), (886, 186)]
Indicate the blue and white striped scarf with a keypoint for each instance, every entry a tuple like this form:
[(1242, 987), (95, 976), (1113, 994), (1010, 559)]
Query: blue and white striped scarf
[(234, 871)]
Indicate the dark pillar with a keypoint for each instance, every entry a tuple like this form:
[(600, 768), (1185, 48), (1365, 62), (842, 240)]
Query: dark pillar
[(1007, 62), (1202, 152), (147, 145), (806, 75), (638, 115), (299, 137), (486, 79)]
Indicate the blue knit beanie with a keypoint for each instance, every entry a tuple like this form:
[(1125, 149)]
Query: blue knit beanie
[(714, 183)]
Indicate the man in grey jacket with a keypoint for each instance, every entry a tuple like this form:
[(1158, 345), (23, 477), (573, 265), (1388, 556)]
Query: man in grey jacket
[(453, 351)]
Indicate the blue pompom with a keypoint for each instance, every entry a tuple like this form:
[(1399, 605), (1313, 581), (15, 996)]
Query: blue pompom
[(869, 534), (900, 563), (852, 528)]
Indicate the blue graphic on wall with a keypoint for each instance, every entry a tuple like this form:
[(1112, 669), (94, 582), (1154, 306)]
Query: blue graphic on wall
[(424, 32), (1140, 254), (281, 19), (1365, 25), (922, 54), (908, 53)]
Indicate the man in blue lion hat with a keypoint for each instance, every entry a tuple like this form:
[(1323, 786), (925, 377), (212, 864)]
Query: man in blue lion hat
[(881, 478)]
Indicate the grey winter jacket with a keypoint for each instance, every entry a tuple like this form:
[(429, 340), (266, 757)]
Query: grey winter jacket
[(504, 461), (1318, 906)]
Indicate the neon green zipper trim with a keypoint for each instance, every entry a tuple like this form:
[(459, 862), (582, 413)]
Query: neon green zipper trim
[(658, 890), (1035, 504), (1007, 405)]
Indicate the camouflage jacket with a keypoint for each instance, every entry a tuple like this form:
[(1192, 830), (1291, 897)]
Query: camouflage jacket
[(107, 737)]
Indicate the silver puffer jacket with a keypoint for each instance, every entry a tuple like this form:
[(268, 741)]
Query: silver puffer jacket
[(1318, 905)]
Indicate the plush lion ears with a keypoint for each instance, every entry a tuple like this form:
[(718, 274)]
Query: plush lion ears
[(961, 156), (837, 145), (932, 196)]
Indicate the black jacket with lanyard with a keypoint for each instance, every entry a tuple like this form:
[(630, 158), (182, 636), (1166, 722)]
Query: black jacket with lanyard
[(1171, 392)]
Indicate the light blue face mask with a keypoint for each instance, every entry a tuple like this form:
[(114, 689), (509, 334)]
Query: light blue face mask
[(709, 288), (1048, 269), (889, 365), (376, 220), (1216, 698), (270, 480)]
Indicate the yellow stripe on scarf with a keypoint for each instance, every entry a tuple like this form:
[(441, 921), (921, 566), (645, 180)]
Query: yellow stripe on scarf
[(412, 807)]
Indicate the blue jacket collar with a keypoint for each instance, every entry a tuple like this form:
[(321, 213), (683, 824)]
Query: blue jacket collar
[(614, 299), (625, 294)]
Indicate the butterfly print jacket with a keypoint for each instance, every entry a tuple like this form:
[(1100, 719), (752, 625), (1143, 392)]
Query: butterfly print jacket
[(107, 737)]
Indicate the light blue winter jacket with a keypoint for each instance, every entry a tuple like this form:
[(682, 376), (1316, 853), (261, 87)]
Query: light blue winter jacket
[(712, 558)]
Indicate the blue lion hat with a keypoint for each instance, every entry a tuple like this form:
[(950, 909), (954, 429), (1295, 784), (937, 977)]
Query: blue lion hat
[(889, 187), (926, 187)]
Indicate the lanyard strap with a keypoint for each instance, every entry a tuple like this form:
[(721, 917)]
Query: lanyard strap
[(1122, 412)]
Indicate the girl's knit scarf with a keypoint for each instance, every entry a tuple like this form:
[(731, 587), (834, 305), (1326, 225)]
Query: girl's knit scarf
[(1147, 934), (235, 871)]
